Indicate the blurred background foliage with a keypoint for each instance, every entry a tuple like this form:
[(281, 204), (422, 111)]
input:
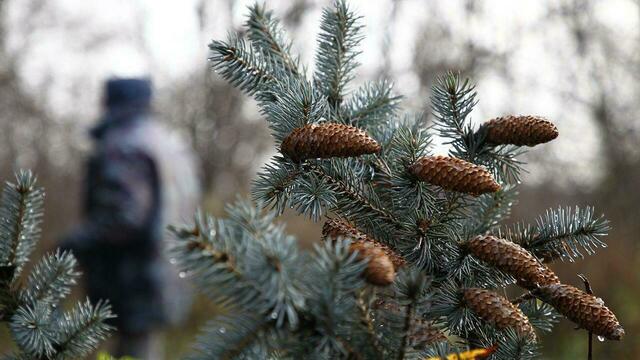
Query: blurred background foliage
[(574, 61)]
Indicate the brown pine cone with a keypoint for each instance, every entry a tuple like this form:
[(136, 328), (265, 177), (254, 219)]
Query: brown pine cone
[(513, 259), (380, 270), (584, 309), (520, 130), (497, 311), (454, 174), (327, 140), (336, 227)]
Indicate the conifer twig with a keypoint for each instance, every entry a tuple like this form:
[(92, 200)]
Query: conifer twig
[(354, 195), (589, 291)]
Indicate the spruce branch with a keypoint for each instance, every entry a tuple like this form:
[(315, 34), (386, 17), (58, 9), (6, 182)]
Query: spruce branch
[(243, 67), (51, 279), (502, 161), (442, 350), (331, 175), (432, 241), (207, 253), (371, 105), (335, 277), (274, 184), (231, 337), (340, 35), (490, 210), (332, 315), (272, 266), (82, 329), (452, 101), (243, 262), (20, 217), (291, 104), (267, 36), (541, 315), (252, 218), (449, 308), (313, 196), (357, 201), (408, 144), (511, 345), (31, 309), (562, 233), (33, 331)]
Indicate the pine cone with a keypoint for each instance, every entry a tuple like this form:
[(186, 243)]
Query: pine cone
[(497, 311), (512, 259), (520, 130), (326, 141), (584, 309), (454, 174), (335, 227), (381, 269)]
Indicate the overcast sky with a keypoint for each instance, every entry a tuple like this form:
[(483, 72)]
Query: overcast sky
[(73, 45)]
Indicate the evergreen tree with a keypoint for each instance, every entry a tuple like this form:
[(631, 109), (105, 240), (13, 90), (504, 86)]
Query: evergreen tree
[(31, 305), (414, 259)]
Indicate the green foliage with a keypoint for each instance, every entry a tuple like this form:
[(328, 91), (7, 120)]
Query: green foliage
[(20, 218), (541, 315), (562, 233), (288, 304), (253, 268), (371, 105), (266, 36), (40, 328), (243, 67), (291, 103), (452, 101), (510, 345), (340, 35)]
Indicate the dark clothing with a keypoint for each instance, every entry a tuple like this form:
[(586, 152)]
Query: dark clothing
[(129, 201)]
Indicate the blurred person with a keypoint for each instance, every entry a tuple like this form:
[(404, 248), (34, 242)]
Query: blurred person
[(140, 178)]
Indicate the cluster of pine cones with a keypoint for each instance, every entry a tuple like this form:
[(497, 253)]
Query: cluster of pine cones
[(586, 310), (328, 140)]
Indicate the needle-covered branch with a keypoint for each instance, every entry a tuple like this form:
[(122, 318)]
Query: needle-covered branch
[(239, 64), (38, 324), (266, 36), (20, 218), (562, 233), (340, 35), (407, 213)]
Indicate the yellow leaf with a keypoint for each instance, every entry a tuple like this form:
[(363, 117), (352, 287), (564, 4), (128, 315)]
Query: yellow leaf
[(474, 354)]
